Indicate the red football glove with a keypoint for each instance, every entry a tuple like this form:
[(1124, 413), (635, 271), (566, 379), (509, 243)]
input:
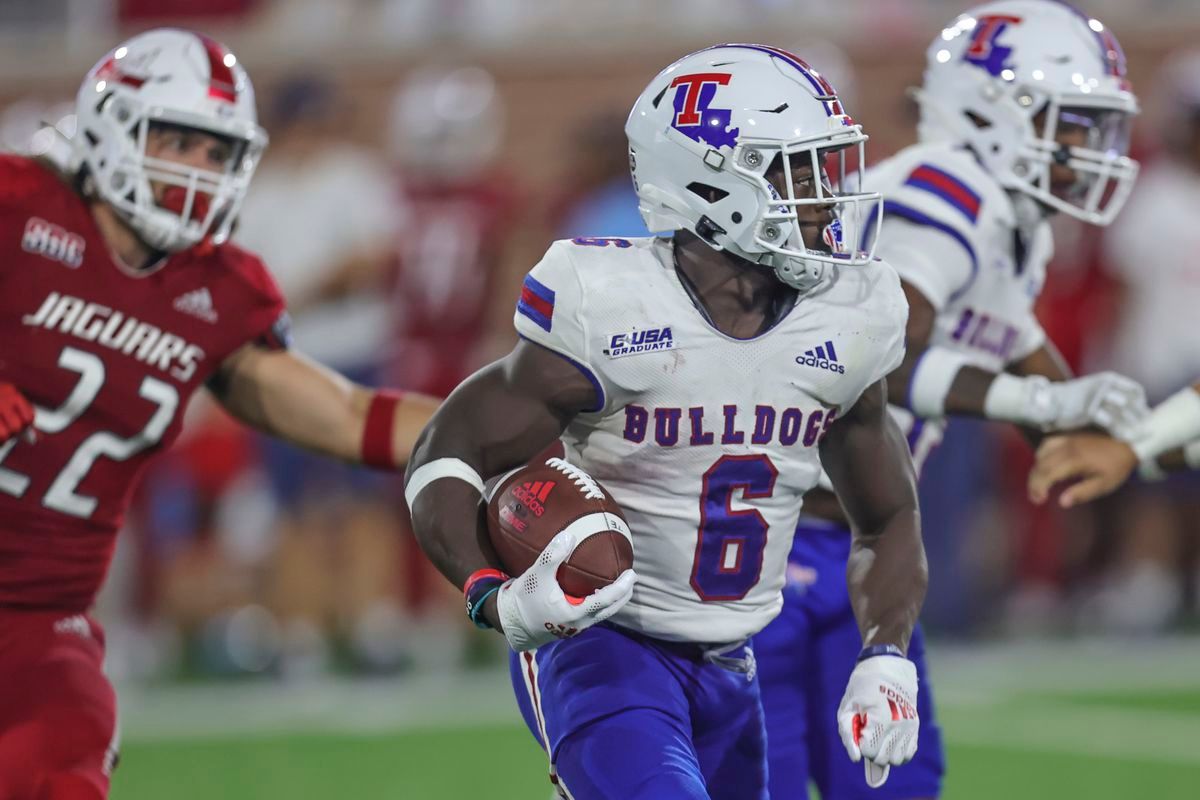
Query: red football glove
[(16, 413)]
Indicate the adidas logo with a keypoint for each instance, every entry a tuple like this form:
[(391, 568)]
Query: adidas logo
[(198, 303), (533, 494), (822, 357)]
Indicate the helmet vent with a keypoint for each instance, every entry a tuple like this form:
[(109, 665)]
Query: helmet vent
[(711, 194)]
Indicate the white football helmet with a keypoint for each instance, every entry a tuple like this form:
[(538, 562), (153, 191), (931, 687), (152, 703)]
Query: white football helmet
[(995, 69), (171, 77), (705, 132), (447, 123)]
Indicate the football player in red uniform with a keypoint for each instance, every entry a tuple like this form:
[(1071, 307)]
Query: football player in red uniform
[(119, 297)]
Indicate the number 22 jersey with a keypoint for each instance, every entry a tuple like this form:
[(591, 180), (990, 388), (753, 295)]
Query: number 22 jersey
[(707, 442), (109, 358)]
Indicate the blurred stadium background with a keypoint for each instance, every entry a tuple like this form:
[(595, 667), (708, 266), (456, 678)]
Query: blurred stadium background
[(273, 630)]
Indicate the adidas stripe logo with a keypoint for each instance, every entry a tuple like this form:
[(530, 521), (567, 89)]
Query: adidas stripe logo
[(197, 303), (539, 489), (822, 357), (533, 494)]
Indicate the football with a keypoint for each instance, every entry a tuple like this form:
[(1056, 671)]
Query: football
[(531, 505)]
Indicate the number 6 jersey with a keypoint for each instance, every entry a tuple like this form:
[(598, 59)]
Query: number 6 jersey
[(707, 442), (109, 359)]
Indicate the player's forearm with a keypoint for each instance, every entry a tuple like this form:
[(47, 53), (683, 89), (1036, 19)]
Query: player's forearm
[(887, 576), (868, 461), (291, 397), (386, 426), (447, 513), (935, 382), (446, 510), (484, 428)]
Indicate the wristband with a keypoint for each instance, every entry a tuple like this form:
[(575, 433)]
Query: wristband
[(870, 651), (479, 587), (377, 433), (1023, 400), (931, 379), (437, 469), (1191, 455), (1150, 472), (1174, 423)]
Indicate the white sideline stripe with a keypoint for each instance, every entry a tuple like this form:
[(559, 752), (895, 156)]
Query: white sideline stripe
[(371, 707), (974, 686), (1158, 737)]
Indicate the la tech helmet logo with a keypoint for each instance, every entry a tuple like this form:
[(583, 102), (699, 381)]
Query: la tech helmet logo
[(984, 51), (694, 116)]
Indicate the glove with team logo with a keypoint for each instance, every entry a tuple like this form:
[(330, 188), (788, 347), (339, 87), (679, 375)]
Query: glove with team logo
[(16, 413), (877, 719), (1105, 399), (534, 610)]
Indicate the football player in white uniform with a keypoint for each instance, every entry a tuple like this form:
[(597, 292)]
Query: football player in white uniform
[(676, 371), (1025, 112)]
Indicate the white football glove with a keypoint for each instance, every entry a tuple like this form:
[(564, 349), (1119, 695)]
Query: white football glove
[(534, 610), (1105, 399), (878, 719)]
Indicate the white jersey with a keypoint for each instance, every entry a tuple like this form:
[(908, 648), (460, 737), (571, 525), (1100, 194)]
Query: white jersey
[(707, 442), (951, 231)]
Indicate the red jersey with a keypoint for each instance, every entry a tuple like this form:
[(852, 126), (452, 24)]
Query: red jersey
[(449, 252), (109, 358)]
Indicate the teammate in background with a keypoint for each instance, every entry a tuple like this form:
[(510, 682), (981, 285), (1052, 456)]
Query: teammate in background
[(119, 297), (708, 441), (1025, 111), (458, 216), (454, 275), (1167, 441)]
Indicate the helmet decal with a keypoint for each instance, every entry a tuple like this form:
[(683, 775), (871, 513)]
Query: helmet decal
[(823, 90), (833, 238), (984, 51), (1112, 57), (221, 83), (694, 117)]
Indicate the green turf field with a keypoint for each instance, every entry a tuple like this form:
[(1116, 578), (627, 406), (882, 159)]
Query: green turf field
[(1113, 733), (503, 764)]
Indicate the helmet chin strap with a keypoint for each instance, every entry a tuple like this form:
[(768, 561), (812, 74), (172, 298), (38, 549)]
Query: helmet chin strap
[(1028, 211), (802, 274)]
